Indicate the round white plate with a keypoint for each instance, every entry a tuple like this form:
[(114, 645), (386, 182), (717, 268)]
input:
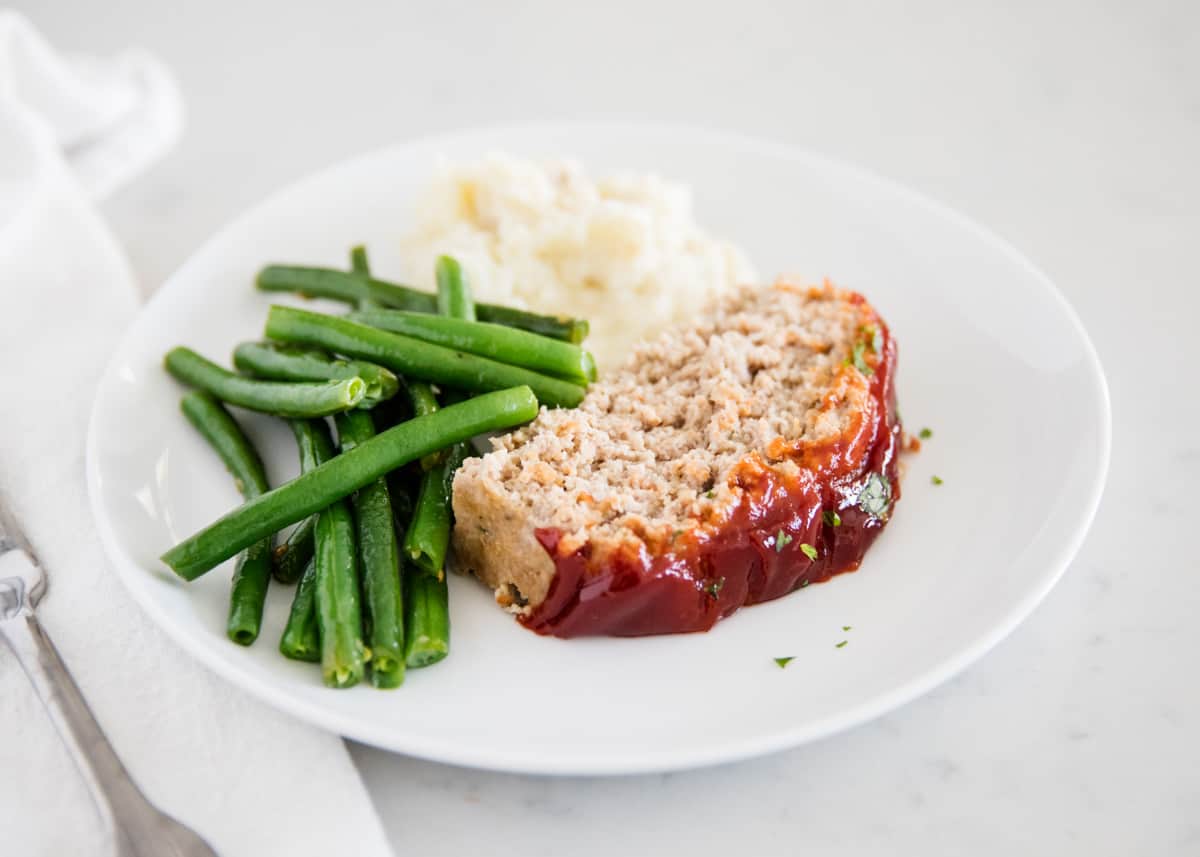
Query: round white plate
[(991, 358)]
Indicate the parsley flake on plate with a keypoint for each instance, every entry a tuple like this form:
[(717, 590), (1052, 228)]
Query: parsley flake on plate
[(783, 662)]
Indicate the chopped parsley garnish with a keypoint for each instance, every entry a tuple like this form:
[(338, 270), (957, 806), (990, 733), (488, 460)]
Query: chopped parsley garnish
[(804, 583), (874, 337), (808, 550), (783, 662), (714, 587), (711, 494), (781, 541), (856, 359), (846, 627), (936, 480), (876, 496), (842, 643), (676, 534), (832, 519), (925, 433)]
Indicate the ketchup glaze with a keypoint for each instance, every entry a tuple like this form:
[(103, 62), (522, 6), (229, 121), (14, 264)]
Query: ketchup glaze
[(757, 550)]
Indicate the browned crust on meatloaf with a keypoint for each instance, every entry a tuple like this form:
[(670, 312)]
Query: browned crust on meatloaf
[(652, 451)]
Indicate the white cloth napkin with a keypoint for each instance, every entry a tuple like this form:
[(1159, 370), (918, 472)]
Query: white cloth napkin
[(253, 782)]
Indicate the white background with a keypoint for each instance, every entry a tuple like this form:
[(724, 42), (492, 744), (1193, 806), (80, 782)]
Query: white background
[(1071, 129)]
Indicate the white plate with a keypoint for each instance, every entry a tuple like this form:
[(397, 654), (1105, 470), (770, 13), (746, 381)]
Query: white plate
[(991, 357)]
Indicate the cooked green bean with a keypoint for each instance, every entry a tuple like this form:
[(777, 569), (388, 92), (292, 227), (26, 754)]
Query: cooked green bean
[(424, 402), (301, 641), (338, 611), (290, 558), (310, 492), (229, 442), (277, 362), (380, 561), (248, 594), (284, 399), (413, 358), (426, 620), (250, 577), (503, 344), (428, 536), (573, 330), (361, 265), (352, 288), (453, 293)]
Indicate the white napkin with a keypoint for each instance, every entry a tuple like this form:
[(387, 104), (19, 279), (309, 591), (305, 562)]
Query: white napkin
[(251, 781)]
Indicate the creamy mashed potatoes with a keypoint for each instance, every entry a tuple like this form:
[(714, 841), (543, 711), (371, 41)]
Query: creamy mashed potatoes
[(622, 251)]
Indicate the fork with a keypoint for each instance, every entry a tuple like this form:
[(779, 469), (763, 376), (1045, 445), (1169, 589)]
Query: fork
[(134, 826)]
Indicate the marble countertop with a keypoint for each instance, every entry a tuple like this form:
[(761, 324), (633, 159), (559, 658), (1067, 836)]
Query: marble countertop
[(1071, 131)]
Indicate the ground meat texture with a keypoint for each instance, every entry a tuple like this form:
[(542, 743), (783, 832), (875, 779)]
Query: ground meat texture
[(728, 462)]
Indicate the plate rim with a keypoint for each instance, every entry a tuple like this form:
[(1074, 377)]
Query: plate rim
[(497, 757)]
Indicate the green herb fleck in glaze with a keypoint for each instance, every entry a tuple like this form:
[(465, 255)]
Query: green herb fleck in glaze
[(876, 496)]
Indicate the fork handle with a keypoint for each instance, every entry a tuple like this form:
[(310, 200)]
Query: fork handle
[(130, 820)]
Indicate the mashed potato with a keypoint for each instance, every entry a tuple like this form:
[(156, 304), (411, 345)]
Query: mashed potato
[(623, 251)]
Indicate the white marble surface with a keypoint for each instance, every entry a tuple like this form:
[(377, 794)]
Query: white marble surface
[(1071, 129)]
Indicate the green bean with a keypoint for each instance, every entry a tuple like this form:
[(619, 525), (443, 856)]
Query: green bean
[(380, 561), (453, 293), (248, 594), (235, 450), (284, 399), (361, 265), (352, 288), (338, 611), (277, 362), (301, 641), (573, 330), (426, 620), (413, 358), (503, 344), (424, 402), (428, 537), (252, 573), (289, 559), (310, 492)]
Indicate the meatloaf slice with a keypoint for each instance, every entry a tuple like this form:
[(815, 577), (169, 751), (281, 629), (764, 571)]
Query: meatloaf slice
[(728, 462)]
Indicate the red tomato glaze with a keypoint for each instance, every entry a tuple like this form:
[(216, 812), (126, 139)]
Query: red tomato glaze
[(755, 552)]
